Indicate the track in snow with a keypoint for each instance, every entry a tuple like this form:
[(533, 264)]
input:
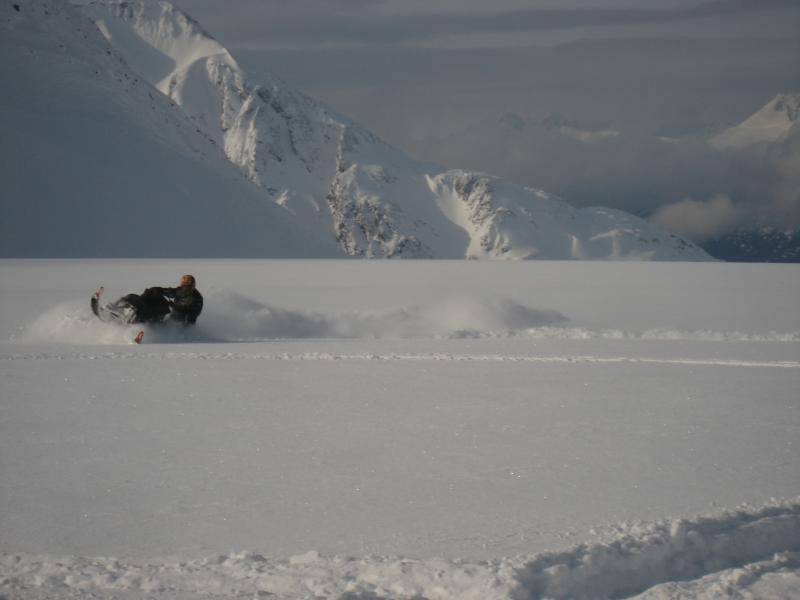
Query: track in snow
[(444, 357)]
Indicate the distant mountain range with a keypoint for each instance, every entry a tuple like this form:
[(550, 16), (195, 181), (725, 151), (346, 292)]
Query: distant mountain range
[(776, 121), (134, 133)]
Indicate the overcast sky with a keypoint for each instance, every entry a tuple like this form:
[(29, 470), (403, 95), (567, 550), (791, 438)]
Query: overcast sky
[(470, 23), (435, 77)]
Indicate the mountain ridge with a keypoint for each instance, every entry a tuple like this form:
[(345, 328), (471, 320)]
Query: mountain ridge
[(322, 181), (98, 163)]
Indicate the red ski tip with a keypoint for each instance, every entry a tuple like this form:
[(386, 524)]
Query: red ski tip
[(138, 338)]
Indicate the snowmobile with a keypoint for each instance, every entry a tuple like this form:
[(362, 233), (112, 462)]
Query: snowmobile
[(152, 306), (181, 304)]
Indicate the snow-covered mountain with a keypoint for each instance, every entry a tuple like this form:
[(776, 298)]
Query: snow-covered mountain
[(774, 122), (95, 162), (317, 183), (323, 167)]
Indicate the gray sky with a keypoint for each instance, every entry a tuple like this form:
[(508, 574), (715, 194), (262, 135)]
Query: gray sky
[(436, 77), (470, 23)]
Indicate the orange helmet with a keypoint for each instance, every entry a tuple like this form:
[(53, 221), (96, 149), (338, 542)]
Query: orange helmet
[(187, 281)]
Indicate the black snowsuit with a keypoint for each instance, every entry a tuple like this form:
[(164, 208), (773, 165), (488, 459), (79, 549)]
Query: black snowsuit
[(181, 304)]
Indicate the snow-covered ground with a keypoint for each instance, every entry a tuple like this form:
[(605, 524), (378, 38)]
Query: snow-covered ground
[(411, 429)]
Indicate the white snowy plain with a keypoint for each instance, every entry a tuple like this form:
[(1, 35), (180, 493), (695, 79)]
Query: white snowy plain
[(356, 429)]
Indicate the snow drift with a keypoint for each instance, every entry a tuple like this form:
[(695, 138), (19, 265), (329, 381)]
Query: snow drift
[(646, 555), (753, 549)]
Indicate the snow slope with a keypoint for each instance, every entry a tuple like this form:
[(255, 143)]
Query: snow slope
[(96, 162), (775, 122), (336, 176), (436, 429)]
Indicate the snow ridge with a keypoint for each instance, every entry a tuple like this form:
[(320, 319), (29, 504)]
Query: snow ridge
[(345, 182), (669, 551), (733, 551)]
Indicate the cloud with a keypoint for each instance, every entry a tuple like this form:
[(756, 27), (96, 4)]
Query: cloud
[(685, 184), (365, 22), (701, 220)]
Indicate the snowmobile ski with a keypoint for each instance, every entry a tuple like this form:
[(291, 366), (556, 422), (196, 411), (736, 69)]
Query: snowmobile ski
[(96, 300)]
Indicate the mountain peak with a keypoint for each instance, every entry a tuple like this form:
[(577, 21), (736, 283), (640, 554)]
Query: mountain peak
[(775, 121), (786, 104)]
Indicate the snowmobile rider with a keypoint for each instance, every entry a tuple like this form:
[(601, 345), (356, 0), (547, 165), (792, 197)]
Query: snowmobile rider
[(186, 302), (181, 304)]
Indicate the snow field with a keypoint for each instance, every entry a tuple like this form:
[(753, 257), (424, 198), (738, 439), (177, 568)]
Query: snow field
[(440, 430)]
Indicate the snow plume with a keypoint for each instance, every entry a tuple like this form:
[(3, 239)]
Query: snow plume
[(72, 324), (701, 220), (230, 317), (236, 318), (233, 317), (753, 551)]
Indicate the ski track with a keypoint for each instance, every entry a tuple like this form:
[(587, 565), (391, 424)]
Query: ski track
[(710, 556), (439, 357)]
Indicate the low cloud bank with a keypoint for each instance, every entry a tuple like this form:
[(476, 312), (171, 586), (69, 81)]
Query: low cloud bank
[(682, 183), (701, 220)]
